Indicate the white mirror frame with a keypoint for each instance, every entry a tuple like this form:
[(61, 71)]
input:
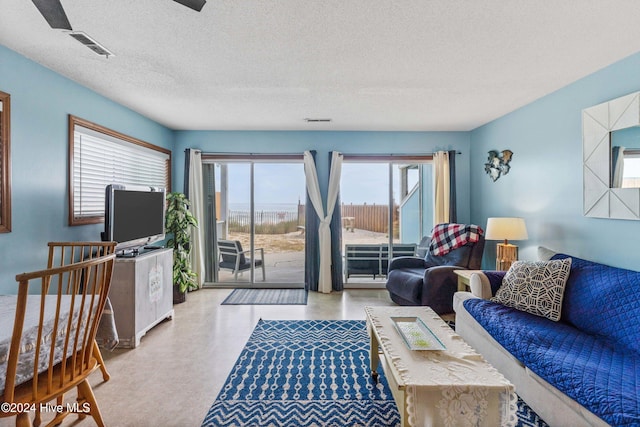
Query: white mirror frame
[(598, 122)]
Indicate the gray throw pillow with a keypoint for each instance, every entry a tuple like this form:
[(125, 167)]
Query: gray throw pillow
[(535, 287), (423, 247), (545, 254)]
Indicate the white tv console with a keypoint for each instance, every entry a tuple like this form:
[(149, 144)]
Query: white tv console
[(141, 294)]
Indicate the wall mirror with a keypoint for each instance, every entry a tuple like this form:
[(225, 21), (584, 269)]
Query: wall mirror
[(611, 158), (5, 163)]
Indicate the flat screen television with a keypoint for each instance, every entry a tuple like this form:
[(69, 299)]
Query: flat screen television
[(134, 216)]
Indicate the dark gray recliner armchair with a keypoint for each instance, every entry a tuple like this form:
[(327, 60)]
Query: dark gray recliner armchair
[(431, 280)]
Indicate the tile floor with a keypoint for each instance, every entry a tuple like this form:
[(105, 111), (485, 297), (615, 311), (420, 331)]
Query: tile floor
[(175, 374)]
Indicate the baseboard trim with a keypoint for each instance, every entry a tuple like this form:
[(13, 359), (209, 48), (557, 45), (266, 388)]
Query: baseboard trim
[(364, 285)]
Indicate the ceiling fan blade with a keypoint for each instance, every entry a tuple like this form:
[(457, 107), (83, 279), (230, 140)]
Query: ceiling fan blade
[(193, 4), (54, 13)]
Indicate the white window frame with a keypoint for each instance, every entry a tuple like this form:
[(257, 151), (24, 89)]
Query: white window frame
[(98, 157)]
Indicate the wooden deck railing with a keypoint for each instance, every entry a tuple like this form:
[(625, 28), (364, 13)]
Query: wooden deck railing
[(365, 217)]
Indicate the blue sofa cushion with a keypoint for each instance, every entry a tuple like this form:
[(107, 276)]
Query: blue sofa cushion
[(603, 300), (495, 279), (594, 371)]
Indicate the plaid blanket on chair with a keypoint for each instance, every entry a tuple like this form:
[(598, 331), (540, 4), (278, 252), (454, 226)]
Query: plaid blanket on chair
[(447, 237)]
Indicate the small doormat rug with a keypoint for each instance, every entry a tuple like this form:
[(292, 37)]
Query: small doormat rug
[(266, 297), (307, 373)]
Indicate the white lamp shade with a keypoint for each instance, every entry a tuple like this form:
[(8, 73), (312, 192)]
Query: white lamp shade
[(506, 229)]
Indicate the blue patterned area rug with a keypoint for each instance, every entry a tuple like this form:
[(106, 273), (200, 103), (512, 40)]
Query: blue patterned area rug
[(266, 297), (310, 373)]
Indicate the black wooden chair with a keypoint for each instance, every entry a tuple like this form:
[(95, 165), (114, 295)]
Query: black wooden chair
[(233, 258)]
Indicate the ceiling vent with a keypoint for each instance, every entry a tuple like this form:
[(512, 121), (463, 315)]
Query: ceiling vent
[(91, 43), (317, 120)]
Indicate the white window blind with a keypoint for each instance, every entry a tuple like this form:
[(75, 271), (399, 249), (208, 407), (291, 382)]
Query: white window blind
[(100, 159)]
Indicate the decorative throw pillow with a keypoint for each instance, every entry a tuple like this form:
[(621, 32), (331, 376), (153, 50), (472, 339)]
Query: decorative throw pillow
[(545, 254), (535, 287)]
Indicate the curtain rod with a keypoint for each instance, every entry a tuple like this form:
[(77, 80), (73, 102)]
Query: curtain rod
[(389, 157), (298, 154), (239, 155), (243, 156), (396, 154)]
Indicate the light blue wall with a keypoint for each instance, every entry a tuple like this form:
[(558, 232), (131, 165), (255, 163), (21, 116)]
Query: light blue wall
[(324, 142), (545, 182), (40, 103)]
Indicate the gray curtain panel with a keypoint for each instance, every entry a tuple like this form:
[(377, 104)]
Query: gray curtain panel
[(453, 214), (187, 163), (312, 245)]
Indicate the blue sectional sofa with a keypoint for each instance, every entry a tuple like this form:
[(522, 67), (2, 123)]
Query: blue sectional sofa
[(583, 369)]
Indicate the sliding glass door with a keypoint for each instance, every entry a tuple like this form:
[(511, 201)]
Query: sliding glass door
[(387, 207), (255, 233)]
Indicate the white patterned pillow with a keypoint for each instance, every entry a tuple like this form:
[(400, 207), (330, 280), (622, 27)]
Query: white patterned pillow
[(535, 287)]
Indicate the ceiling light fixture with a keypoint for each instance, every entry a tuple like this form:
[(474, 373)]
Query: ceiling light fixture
[(91, 43), (308, 120), (193, 4)]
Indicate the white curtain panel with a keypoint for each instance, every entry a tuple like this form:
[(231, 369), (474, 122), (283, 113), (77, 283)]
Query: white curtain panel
[(197, 209), (324, 230), (442, 184)]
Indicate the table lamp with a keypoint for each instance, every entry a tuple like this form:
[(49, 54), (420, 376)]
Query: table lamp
[(506, 229)]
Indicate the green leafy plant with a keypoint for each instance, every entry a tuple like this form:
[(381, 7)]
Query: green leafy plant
[(178, 222)]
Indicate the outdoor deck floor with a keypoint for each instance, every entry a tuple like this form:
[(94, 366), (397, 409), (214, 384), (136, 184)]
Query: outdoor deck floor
[(287, 267)]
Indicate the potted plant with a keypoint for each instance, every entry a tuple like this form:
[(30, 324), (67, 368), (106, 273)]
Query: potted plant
[(178, 222)]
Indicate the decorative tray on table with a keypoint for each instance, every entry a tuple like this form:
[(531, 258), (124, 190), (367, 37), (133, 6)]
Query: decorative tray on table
[(416, 334)]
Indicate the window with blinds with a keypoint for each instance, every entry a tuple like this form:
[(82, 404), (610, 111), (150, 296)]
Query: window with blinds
[(102, 157)]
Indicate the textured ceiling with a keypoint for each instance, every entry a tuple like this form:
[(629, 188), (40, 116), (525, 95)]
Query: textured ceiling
[(366, 64)]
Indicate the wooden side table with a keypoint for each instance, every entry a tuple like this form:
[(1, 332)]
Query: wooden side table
[(464, 278)]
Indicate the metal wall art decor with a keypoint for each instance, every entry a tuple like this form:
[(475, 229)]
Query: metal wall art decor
[(498, 164)]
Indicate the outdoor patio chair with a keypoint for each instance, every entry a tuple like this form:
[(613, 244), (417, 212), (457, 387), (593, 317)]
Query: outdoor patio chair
[(233, 258)]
